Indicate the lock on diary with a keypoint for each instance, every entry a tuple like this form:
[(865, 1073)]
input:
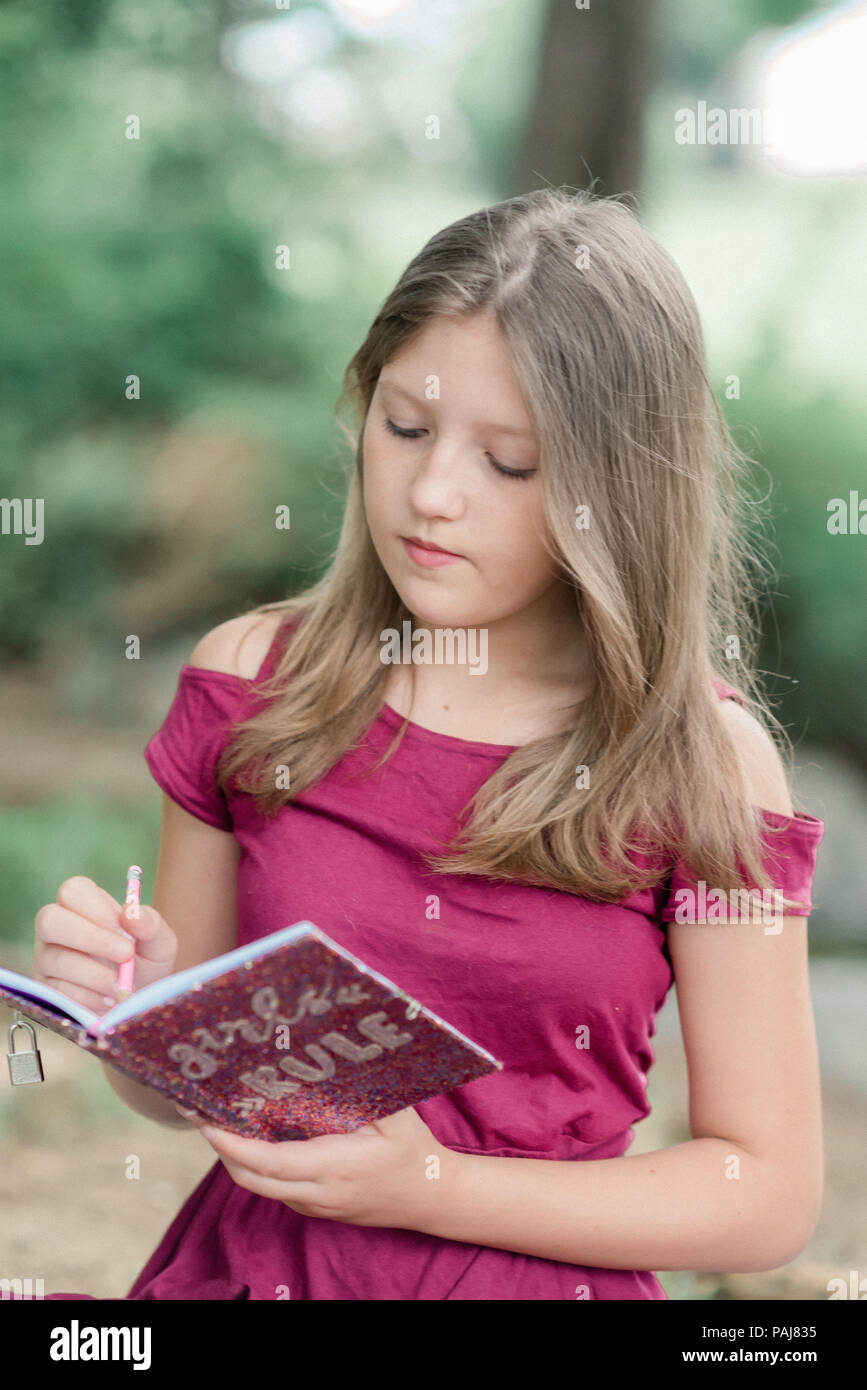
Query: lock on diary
[(24, 1066)]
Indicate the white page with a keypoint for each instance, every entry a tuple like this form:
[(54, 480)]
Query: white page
[(45, 994)]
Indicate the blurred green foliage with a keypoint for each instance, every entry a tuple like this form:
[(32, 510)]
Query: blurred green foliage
[(814, 640), (49, 841), (698, 39), (152, 257)]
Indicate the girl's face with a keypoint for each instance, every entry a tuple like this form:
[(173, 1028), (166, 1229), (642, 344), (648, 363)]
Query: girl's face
[(455, 390)]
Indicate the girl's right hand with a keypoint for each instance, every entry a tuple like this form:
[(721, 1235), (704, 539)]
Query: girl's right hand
[(81, 941)]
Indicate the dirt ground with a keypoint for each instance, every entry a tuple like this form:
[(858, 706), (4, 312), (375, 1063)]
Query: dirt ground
[(73, 1215)]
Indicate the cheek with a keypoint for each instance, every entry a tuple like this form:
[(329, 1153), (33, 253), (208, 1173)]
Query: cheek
[(522, 526), (374, 488)]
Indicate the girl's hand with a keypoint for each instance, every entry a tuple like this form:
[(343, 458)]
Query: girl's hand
[(82, 938), (384, 1174)]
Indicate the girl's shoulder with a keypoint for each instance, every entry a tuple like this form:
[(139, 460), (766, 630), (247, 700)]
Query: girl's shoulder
[(763, 766), (239, 646)]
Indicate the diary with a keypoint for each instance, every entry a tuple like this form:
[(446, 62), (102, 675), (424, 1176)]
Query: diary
[(288, 1037)]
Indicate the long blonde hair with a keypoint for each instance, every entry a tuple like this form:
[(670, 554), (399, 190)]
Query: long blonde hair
[(606, 342)]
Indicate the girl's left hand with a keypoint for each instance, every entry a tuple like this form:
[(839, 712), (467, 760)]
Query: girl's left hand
[(382, 1174)]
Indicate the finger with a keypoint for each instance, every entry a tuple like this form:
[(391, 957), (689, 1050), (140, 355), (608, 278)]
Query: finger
[(290, 1160), (95, 1002), (60, 963), (60, 926), (302, 1194), (155, 941), (393, 1124), (85, 897)]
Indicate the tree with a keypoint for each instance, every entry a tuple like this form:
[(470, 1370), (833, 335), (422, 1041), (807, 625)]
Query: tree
[(595, 74)]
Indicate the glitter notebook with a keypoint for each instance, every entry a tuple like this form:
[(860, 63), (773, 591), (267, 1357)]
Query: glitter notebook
[(288, 1037)]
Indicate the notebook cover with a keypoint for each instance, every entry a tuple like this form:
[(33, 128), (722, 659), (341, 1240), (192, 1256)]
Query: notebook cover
[(302, 1042)]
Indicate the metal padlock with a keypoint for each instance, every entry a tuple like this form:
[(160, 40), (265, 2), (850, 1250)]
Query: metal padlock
[(26, 1066)]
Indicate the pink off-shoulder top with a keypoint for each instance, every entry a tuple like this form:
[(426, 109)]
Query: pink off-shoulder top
[(522, 970)]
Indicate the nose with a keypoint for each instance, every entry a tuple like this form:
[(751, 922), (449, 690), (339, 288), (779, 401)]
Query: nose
[(438, 487)]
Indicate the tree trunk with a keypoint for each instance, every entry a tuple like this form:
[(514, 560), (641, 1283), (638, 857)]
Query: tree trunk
[(595, 73)]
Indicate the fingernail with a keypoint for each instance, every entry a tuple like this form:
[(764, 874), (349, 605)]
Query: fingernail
[(107, 999)]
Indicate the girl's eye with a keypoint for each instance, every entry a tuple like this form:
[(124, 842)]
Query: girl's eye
[(401, 434), (522, 473)]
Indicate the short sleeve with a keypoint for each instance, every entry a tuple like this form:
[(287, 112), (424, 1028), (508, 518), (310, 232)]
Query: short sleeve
[(183, 752), (789, 848)]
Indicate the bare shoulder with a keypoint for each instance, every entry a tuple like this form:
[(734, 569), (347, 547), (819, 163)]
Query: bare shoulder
[(237, 647), (763, 766)]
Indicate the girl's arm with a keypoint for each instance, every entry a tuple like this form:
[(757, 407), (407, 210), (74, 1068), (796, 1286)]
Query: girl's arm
[(745, 1192), (197, 871)]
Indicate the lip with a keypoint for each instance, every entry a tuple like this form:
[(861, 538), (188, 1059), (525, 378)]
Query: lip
[(428, 555)]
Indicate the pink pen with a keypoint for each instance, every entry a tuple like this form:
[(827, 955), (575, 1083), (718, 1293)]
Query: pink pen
[(132, 899)]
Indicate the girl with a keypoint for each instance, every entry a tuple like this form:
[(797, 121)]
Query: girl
[(532, 845)]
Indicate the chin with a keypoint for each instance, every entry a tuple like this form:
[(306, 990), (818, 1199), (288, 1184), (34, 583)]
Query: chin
[(439, 614), (456, 620)]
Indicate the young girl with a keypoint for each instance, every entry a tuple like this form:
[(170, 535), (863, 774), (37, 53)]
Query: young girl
[(533, 844)]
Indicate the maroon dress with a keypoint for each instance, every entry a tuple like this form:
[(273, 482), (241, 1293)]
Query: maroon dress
[(519, 969)]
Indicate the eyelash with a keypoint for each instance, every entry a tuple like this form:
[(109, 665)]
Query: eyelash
[(522, 476)]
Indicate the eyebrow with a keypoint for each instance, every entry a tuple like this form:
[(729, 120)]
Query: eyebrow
[(486, 424)]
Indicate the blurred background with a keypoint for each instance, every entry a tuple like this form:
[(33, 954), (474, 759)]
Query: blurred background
[(204, 205)]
